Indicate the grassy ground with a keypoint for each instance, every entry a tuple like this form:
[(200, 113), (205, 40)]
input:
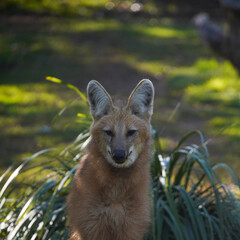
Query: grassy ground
[(188, 78)]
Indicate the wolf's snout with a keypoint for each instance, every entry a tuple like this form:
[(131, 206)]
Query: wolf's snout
[(119, 156)]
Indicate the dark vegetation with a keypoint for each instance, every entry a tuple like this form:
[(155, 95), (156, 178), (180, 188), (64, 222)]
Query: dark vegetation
[(189, 199)]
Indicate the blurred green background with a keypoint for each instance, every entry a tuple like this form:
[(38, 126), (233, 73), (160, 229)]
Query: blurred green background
[(117, 43)]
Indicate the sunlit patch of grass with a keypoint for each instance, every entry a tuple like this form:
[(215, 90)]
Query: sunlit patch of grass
[(60, 45), (233, 131), (152, 67), (28, 109), (182, 77), (160, 49), (73, 26), (229, 126), (216, 84), (222, 88), (193, 75), (28, 94), (93, 3), (206, 65), (164, 32), (160, 31), (151, 48)]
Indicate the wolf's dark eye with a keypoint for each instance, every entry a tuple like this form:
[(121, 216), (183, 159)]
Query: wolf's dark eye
[(109, 133), (131, 132)]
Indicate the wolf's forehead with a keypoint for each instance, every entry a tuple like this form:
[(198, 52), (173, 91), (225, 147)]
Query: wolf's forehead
[(119, 124), (120, 121)]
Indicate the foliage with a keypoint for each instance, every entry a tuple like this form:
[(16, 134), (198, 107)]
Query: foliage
[(32, 199), (189, 200)]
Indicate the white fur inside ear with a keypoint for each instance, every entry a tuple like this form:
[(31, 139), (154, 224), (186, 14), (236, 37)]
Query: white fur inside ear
[(141, 99), (99, 100)]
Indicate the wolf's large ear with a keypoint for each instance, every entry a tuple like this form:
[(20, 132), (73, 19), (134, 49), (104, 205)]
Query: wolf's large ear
[(140, 101), (99, 100)]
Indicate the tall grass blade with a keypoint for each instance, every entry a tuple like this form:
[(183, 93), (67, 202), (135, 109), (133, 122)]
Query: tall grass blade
[(57, 80)]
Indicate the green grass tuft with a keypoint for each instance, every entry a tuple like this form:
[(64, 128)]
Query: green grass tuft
[(32, 199), (189, 200)]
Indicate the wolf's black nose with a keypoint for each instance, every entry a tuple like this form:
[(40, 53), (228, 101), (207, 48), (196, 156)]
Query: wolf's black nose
[(119, 156)]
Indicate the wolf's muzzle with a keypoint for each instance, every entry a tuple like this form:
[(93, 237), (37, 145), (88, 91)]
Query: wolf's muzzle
[(119, 156)]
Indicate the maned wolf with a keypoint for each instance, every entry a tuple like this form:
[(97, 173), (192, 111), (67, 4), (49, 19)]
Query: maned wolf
[(110, 197)]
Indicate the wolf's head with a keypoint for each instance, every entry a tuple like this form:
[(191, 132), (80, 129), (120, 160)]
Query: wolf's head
[(121, 132)]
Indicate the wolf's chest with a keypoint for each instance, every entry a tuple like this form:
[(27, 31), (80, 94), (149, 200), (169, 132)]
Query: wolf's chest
[(109, 216), (114, 212), (113, 205)]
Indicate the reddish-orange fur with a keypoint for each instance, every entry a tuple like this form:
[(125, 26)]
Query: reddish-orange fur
[(108, 203)]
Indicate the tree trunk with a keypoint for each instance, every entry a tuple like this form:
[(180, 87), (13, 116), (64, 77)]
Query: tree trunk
[(232, 38)]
